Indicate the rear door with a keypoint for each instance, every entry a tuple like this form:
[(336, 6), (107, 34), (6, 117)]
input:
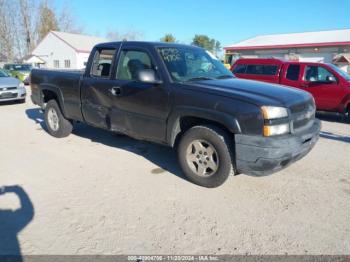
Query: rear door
[(323, 85), (291, 75), (96, 96)]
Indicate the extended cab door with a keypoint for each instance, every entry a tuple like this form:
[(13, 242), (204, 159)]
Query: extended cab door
[(323, 85), (139, 109), (96, 97)]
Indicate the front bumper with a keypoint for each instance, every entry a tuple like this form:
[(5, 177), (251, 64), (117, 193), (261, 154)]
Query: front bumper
[(256, 155), (12, 95)]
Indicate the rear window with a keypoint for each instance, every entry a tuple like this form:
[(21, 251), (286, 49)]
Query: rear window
[(293, 72), (269, 70)]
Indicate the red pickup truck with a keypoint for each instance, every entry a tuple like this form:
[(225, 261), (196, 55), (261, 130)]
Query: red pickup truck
[(329, 85)]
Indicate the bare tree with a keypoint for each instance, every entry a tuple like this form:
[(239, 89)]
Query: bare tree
[(67, 22), (6, 30), (47, 20), (28, 14)]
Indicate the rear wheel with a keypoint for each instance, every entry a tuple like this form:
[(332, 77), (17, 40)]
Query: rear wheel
[(205, 155), (57, 125)]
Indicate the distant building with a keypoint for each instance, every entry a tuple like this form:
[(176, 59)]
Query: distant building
[(324, 46), (64, 50)]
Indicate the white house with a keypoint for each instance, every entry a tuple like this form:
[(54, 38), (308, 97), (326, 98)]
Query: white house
[(65, 50), (320, 46)]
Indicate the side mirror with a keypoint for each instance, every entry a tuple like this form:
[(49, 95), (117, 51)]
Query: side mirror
[(148, 76), (331, 79)]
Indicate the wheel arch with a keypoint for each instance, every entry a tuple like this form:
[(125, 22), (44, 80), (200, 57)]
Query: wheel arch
[(49, 92), (185, 118)]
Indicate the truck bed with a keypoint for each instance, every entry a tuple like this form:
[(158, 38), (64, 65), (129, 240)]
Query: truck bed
[(65, 83)]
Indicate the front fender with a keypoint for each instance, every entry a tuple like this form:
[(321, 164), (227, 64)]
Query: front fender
[(173, 126)]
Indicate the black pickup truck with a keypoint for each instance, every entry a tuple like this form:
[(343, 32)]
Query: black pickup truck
[(183, 97)]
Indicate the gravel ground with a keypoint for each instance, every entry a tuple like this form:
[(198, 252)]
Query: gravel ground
[(98, 193)]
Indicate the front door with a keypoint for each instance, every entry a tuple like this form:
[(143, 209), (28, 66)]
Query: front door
[(323, 85), (139, 109)]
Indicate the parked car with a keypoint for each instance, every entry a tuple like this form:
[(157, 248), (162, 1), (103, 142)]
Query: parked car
[(183, 97), (11, 89), (329, 85), (20, 71)]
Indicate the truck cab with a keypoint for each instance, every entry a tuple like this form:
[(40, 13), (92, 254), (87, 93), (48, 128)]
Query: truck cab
[(328, 84)]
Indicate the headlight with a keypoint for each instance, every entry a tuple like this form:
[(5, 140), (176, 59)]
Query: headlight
[(273, 112), (21, 86), (276, 130), (274, 124)]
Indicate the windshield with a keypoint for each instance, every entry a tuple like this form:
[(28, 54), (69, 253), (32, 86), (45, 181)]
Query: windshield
[(3, 74), (340, 72), (190, 64), (22, 67)]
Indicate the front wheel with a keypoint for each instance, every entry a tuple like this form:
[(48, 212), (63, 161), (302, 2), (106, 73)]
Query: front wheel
[(57, 125), (205, 155)]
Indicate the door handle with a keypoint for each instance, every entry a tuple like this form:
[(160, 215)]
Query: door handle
[(115, 90), (304, 85)]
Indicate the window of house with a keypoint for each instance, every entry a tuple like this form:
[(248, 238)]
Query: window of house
[(293, 72), (102, 63), (240, 69), (67, 63), (56, 63), (130, 62), (317, 74)]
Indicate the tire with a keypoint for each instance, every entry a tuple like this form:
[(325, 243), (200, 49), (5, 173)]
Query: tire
[(189, 156), (347, 114), (57, 125), (22, 101)]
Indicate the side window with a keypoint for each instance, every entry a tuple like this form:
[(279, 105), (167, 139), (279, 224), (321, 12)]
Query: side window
[(293, 72), (255, 69), (317, 74), (102, 63), (131, 62), (270, 70), (240, 69)]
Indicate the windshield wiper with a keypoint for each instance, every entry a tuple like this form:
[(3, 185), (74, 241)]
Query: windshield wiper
[(224, 77), (200, 78)]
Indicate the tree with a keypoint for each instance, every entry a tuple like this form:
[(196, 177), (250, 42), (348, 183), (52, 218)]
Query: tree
[(47, 20), (27, 15), (67, 23), (169, 38), (207, 43)]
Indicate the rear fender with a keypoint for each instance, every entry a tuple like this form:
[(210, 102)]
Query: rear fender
[(58, 94)]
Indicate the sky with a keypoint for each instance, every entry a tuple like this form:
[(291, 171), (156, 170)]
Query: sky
[(228, 21)]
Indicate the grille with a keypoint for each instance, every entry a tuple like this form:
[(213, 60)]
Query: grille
[(303, 116), (7, 88), (8, 95)]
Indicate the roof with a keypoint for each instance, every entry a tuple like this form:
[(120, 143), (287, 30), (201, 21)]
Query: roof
[(342, 58), (81, 43), (306, 39), (147, 43)]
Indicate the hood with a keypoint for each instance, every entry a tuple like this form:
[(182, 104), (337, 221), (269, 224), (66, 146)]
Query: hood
[(9, 82), (255, 92)]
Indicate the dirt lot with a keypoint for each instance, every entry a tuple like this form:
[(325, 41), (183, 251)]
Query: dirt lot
[(99, 193)]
